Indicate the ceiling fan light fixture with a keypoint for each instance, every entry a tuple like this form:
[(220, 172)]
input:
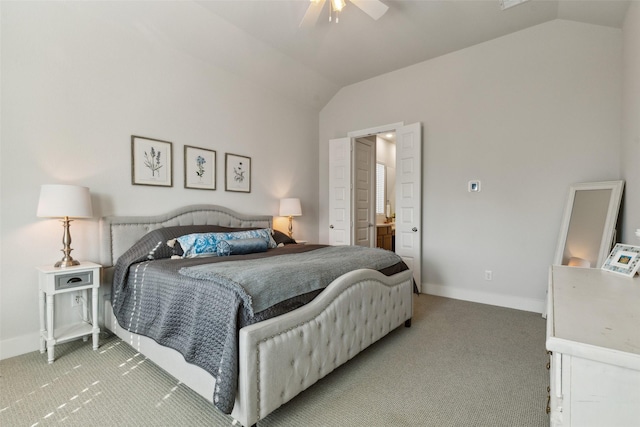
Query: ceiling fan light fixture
[(338, 5), (374, 8)]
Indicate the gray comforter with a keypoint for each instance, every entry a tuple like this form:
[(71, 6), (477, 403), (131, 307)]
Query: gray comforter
[(200, 316), (262, 279)]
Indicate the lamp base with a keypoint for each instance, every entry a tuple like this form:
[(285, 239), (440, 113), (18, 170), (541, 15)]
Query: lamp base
[(290, 227), (67, 260), (66, 263)]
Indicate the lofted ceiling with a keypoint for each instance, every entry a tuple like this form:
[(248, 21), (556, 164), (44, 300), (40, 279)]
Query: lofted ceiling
[(358, 48)]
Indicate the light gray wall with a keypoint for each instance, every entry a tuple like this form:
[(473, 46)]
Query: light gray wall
[(631, 124), (527, 114), (78, 79)]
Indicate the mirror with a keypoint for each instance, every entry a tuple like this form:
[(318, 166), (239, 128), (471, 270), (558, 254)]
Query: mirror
[(588, 225)]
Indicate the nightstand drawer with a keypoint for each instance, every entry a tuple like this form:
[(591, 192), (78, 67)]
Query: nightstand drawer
[(72, 280)]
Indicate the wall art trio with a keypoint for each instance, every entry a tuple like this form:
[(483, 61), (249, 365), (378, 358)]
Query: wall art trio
[(152, 164)]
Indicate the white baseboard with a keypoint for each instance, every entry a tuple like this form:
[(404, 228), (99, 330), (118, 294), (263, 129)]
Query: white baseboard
[(31, 342), (19, 345), (525, 304)]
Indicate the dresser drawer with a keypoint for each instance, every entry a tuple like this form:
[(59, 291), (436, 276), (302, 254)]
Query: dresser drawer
[(73, 280)]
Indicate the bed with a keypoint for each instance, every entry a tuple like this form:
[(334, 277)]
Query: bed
[(300, 340)]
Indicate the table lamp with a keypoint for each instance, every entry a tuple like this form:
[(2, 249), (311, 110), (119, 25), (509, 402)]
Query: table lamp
[(290, 207), (65, 201)]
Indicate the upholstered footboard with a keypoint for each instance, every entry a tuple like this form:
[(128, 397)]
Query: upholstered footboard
[(281, 357)]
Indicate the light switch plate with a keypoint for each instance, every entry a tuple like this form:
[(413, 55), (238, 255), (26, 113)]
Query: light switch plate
[(474, 186)]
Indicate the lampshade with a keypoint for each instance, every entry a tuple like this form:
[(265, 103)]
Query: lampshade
[(59, 201), (290, 207)]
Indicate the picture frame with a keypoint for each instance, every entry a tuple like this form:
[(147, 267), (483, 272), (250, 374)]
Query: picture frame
[(623, 259), (237, 173), (199, 168), (151, 162)]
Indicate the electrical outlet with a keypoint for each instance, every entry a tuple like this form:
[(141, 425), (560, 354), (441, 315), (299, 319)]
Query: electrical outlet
[(76, 299), (488, 275)]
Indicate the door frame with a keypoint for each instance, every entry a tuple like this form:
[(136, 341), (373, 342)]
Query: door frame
[(393, 127), (375, 130)]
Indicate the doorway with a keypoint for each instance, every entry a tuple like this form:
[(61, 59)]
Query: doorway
[(408, 193), (374, 158)]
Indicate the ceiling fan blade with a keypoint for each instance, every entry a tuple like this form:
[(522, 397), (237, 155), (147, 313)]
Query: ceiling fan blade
[(313, 12), (373, 8)]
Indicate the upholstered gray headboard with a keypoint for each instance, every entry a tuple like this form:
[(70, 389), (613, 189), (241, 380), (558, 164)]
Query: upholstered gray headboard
[(117, 234)]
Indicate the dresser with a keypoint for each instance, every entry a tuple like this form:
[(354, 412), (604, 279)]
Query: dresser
[(593, 340)]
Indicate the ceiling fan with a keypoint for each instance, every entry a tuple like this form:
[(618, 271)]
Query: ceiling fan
[(373, 8)]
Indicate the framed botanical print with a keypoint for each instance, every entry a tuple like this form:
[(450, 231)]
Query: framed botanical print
[(199, 168), (151, 162), (237, 173)]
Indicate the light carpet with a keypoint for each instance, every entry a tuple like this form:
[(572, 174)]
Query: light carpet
[(460, 364)]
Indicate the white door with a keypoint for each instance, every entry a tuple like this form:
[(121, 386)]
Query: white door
[(409, 198), (364, 187), (340, 191)]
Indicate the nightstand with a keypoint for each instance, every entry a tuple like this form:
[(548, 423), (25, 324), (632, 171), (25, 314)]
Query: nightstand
[(54, 281)]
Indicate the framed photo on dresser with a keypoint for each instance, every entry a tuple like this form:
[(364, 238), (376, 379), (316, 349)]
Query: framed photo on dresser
[(623, 259)]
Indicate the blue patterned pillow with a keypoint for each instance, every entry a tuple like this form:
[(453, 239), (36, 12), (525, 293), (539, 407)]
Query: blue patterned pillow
[(241, 246), (198, 244), (205, 244)]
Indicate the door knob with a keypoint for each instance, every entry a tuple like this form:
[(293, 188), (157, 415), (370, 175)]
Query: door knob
[(414, 229), (331, 226)]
